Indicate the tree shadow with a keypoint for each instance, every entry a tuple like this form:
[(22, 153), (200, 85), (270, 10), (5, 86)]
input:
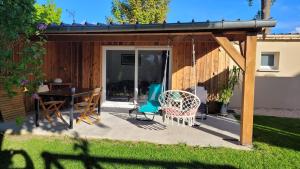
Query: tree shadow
[(143, 124), (98, 162), (6, 156), (140, 123), (29, 125)]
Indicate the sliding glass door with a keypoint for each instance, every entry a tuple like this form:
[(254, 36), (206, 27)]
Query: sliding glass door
[(120, 67), (152, 64), (129, 73)]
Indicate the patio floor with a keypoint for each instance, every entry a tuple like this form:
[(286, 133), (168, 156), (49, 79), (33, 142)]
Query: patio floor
[(116, 124)]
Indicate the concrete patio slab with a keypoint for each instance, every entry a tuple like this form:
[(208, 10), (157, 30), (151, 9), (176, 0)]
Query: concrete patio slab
[(116, 124)]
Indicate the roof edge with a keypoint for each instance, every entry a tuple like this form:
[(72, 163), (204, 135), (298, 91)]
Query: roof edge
[(279, 37), (164, 27)]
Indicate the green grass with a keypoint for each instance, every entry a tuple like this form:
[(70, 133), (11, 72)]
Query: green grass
[(276, 145)]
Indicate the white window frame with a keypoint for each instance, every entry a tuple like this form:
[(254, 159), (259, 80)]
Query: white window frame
[(136, 49), (276, 62)]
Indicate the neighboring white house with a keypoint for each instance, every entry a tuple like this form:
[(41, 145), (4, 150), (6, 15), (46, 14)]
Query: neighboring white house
[(277, 75)]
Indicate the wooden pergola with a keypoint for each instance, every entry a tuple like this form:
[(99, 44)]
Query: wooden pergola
[(88, 39), (246, 60)]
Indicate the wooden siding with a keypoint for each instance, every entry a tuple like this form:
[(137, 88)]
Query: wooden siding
[(11, 107), (212, 65), (78, 59)]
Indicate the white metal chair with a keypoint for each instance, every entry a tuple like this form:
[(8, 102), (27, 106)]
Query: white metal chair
[(180, 105)]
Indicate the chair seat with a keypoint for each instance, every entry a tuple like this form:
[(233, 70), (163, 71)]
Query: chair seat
[(83, 104), (150, 107), (53, 102)]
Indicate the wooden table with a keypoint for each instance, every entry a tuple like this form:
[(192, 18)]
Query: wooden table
[(67, 94), (52, 86)]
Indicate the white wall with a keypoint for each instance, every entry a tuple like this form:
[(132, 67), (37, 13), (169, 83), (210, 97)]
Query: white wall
[(278, 89)]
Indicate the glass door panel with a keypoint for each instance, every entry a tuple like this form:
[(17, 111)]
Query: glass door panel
[(120, 67), (151, 68)]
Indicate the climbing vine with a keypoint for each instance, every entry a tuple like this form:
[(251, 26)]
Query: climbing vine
[(18, 29)]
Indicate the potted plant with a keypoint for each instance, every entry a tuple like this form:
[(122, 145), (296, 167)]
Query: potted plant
[(227, 91)]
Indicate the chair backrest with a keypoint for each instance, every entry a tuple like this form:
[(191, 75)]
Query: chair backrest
[(179, 100), (94, 97), (155, 90), (96, 91), (202, 94)]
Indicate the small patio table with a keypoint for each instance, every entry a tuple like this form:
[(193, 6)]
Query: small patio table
[(67, 93)]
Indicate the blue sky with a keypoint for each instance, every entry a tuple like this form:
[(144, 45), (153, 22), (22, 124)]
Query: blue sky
[(286, 12)]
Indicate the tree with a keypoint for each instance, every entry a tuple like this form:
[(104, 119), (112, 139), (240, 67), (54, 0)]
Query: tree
[(142, 11), (265, 12), (47, 13), (17, 27)]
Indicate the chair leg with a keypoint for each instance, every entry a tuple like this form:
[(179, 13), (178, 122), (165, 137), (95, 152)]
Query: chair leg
[(164, 118), (94, 113), (97, 116), (47, 116), (87, 115), (85, 119), (191, 120)]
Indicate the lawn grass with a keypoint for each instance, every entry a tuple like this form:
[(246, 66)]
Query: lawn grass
[(276, 145)]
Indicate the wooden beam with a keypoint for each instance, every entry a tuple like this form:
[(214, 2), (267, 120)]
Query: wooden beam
[(248, 91), (231, 50), (242, 47)]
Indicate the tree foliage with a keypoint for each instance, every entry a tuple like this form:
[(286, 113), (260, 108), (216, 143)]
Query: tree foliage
[(250, 2), (16, 18), (142, 11), (47, 13), (17, 27), (264, 12)]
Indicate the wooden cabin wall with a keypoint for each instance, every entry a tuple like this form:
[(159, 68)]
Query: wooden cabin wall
[(75, 62), (212, 65), (79, 60)]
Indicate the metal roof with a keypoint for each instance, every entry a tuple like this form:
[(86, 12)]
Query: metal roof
[(193, 26)]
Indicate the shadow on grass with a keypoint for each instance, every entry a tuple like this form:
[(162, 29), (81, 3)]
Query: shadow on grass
[(6, 156), (98, 162), (277, 131)]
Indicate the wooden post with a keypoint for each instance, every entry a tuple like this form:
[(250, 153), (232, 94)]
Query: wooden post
[(248, 91)]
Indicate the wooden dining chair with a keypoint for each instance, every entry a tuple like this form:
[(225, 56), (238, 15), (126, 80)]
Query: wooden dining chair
[(51, 107), (88, 106)]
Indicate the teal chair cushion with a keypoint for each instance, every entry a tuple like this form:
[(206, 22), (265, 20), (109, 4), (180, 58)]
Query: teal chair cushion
[(154, 92), (152, 104), (149, 107)]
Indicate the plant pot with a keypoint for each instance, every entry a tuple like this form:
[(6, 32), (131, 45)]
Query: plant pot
[(222, 109), (213, 107)]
